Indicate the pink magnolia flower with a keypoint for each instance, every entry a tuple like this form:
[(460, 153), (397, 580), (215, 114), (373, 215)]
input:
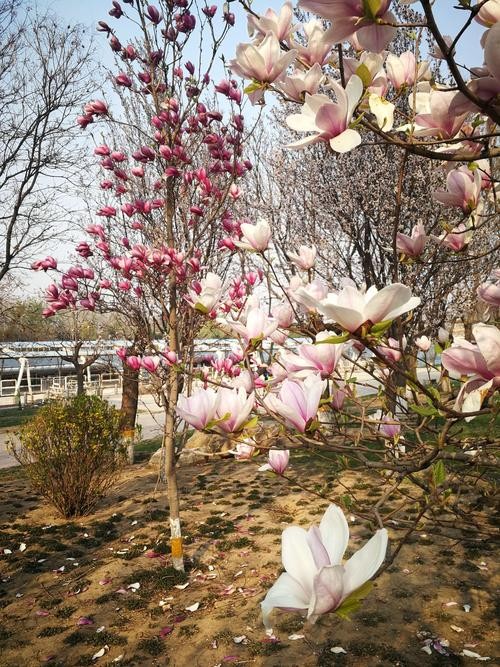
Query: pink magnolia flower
[(351, 308), (412, 246), (206, 293), (277, 461), (463, 189), (258, 325), (199, 409), (480, 361), (443, 336), (489, 14), (338, 394), (243, 451), (364, 19), (303, 293), (489, 293), (150, 364), (44, 264), (134, 362), (388, 425), (283, 313), (305, 258), (318, 44), (297, 401), (263, 62), (255, 237), (403, 70), (444, 116), (280, 25), (458, 239), (322, 357), (296, 84), (423, 343), (391, 351), (370, 69), (233, 408), (328, 120), (315, 581)]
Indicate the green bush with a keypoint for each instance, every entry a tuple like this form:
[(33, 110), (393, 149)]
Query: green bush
[(72, 451)]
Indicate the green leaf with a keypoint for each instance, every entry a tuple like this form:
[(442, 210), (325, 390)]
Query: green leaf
[(253, 87), (438, 473), (370, 8), (424, 410), (334, 340), (353, 602), (251, 423), (201, 308), (438, 348), (380, 327)]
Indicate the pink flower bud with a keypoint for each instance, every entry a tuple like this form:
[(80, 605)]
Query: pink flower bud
[(153, 14), (102, 150), (123, 80), (134, 363)]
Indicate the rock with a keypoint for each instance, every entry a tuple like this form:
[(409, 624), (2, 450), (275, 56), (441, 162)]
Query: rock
[(155, 459), (209, 443)]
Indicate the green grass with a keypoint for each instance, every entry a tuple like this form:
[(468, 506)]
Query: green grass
[(10, 417)]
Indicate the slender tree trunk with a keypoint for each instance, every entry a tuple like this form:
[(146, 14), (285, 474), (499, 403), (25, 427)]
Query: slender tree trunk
[(130, 397), (171, 472)]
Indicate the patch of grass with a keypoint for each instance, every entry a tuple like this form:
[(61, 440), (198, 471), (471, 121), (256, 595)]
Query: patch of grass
[(65, 612), (265, 648), (51, 631), (152, 646), (92, 638), (188, 630), (157, 578), (10, 417), (237, 543), (215, 527)]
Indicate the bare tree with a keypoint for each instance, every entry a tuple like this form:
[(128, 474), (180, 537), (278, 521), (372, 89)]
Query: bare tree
[(45, 74)]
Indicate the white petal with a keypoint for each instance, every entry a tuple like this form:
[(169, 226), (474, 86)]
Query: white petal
[(285, 594), (297, 558), (346, 141), (328, 591), (365, 562), (334, 533)]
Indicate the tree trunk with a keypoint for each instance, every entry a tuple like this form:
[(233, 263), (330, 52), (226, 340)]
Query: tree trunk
[(80, 379), (130, 397), (169, 404)]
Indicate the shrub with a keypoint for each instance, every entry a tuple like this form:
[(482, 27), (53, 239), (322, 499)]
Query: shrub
[(72, 451)]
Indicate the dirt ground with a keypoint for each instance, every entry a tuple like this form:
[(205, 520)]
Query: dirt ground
[(99, 590)]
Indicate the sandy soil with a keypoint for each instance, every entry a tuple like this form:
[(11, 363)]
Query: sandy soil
[(233, 517)]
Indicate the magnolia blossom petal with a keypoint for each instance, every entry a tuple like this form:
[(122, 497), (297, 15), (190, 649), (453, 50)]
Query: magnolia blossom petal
[(334, 533), (365, 562), (349, 319), (297, 557), (346, 141), (487, 338), (328, 589), (286, 593)]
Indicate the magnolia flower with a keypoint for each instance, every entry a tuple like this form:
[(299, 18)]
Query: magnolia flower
[(388, 425), (445, 114), (319, 44), (298, 83), (463, 189), (233, 408), (351, 17), (370, 70), (489, 14), (277, 461), (328, 120), (322, 357), (458, 239), (199, 409), (391, 351), (243, 451), (316, 582), (338, 395), (263, 62), (305, 258), (206, 293), (382, 110), (403, 70), (423, 343), (255, 237), (351, 308), (481, 361), (489, 293), (258, 325), (280, 25), (301, 293), (412, 246), (283, 313), (297, 402)]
